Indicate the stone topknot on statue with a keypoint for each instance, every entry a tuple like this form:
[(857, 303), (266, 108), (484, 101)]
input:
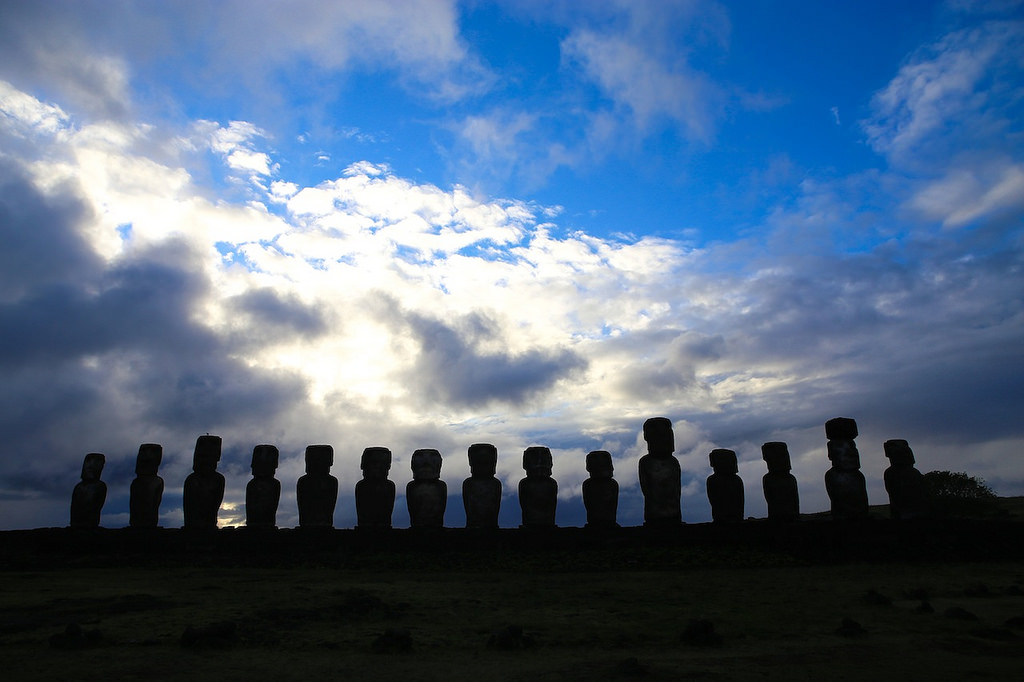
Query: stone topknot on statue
[(660, 475), (841, 428), (847, 490)]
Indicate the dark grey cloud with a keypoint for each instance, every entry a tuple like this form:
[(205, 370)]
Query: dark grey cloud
[(74, 52), (270, 316), (452, 368), (141, 304), (917, 341), (461, 364), (39, 245), (681, 355), (101, 357)]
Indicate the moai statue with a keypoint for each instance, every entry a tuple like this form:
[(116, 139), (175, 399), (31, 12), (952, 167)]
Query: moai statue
[(263, 492), (147, 489), (780, 489), (844, 482), (600, 491), (660, 475), (481, 492), (725, 488), (89, 494), (316, 491), (375, 494), (426, 494), (908, 496), (204, 487), (538, 492)]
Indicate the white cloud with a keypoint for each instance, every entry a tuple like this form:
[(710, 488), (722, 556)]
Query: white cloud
[(644, 83), (235, 143), (419, 39), (967, 194), (22, 111), (947, 91)]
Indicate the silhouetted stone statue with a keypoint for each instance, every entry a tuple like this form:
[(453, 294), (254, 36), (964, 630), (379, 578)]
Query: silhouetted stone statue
[(725, 488), (481, 492), (204, 487), (89, 494), (147, 489), (316, 492), (780, 489), (844, 482), (908, 496), (375, 494), (600, 491), (538, 492), (426, 494), (263, 492), (660, 475)]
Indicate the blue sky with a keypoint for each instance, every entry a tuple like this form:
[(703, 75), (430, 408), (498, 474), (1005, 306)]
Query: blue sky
[(429, 224)]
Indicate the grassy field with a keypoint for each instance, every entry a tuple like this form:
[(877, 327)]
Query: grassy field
[(653, 613)]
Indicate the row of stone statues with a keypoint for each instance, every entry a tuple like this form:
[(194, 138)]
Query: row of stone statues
[(427, 495)]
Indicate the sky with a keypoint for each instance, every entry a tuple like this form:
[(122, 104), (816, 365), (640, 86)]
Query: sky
[(427, 224)]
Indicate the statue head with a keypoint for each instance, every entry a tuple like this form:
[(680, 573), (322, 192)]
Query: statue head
[(659, 436), (599, 464), (147, 462), (723, 461), (376, 462), (899, 453), (92, 466), (206, 454), (844, 455), (537, 461), (841, 428), (264, 460), (426, 465), (776, 456), (483, 459), (319, 459)]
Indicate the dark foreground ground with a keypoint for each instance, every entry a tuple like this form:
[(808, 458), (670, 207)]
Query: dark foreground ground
[(926, 601)]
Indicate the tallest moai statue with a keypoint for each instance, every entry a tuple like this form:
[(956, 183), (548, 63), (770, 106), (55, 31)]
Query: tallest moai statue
[(844, 482), (660, 475)]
